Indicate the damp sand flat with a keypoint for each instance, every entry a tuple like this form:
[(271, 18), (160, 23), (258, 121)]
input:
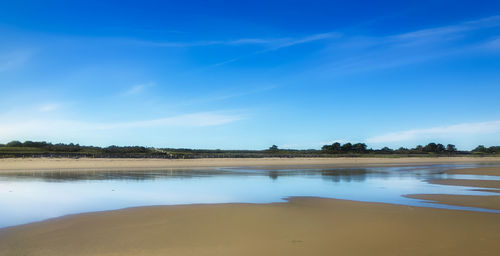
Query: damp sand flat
[(302, 226), (489, 171), (487, 202)]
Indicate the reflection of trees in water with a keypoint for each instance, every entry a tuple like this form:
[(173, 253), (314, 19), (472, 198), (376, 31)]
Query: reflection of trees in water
[(335, 175), (62, 176), (345, 175), (273, 175)]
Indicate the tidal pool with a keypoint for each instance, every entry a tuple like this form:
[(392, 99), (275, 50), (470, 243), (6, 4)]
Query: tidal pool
[(34, 196)]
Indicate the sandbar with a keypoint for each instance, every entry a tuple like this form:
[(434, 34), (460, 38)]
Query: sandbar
[(468, 183), (485, 202), (489, 171)]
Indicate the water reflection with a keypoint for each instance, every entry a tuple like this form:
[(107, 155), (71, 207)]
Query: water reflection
[(32, 196), (344, 175)]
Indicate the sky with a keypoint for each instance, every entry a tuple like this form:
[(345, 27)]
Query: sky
[(250, 74)]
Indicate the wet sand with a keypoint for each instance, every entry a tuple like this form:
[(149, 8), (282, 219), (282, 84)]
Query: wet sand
[(486, 202), (468, 183), (491, 171), (303, 226), (59, 164)]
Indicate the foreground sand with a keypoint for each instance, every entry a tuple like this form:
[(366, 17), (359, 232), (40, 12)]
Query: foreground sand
[(303, 226), (16, 164)]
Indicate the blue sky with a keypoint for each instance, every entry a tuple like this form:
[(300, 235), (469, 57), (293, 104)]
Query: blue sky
[(249, 74)]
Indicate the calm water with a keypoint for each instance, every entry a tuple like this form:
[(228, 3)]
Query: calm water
[(37, 196)]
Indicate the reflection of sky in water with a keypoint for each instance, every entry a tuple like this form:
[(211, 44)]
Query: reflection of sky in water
[(36, 196)]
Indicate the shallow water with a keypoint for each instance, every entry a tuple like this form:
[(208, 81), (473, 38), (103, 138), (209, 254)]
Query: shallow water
[(35, 196)]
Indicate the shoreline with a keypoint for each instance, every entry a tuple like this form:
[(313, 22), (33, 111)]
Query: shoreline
[(67, 164), (300, 226)]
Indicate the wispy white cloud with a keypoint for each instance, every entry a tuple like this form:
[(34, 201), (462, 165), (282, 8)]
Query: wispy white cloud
[(272, 43), (439, 131), (493, 44), (488, 22), (49, 107), (188, 120), (34, 127), (136, 89), (282, 43), (307, 39), (172, 44), (14, 59), (225, 95), (360, 54)]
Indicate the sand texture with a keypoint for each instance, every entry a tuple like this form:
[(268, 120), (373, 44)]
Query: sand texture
[(303, 226)]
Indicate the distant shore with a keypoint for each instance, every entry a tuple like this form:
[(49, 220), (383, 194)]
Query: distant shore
[(60, 164)]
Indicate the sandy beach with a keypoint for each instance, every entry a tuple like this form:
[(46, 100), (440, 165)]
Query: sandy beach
[(302, 226), (19, 164)]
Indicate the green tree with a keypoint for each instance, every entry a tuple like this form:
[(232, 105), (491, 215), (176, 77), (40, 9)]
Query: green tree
[(431, 147), (386, 150), (273, 148), (336, 147), (440, 148), (359, 147), (478, 149), (347, 147), (451, 148), (14, 143)]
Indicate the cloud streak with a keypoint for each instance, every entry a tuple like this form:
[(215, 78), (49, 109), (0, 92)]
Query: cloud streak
[(274, 43), (282, 44), (136, 89), (439, 131), (359, 54), (49, 107), (56, 127), (13, 60)]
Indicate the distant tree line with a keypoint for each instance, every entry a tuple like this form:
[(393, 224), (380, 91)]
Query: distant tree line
[(485, 150), (47, 149), (337, 148), (360, 148)]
